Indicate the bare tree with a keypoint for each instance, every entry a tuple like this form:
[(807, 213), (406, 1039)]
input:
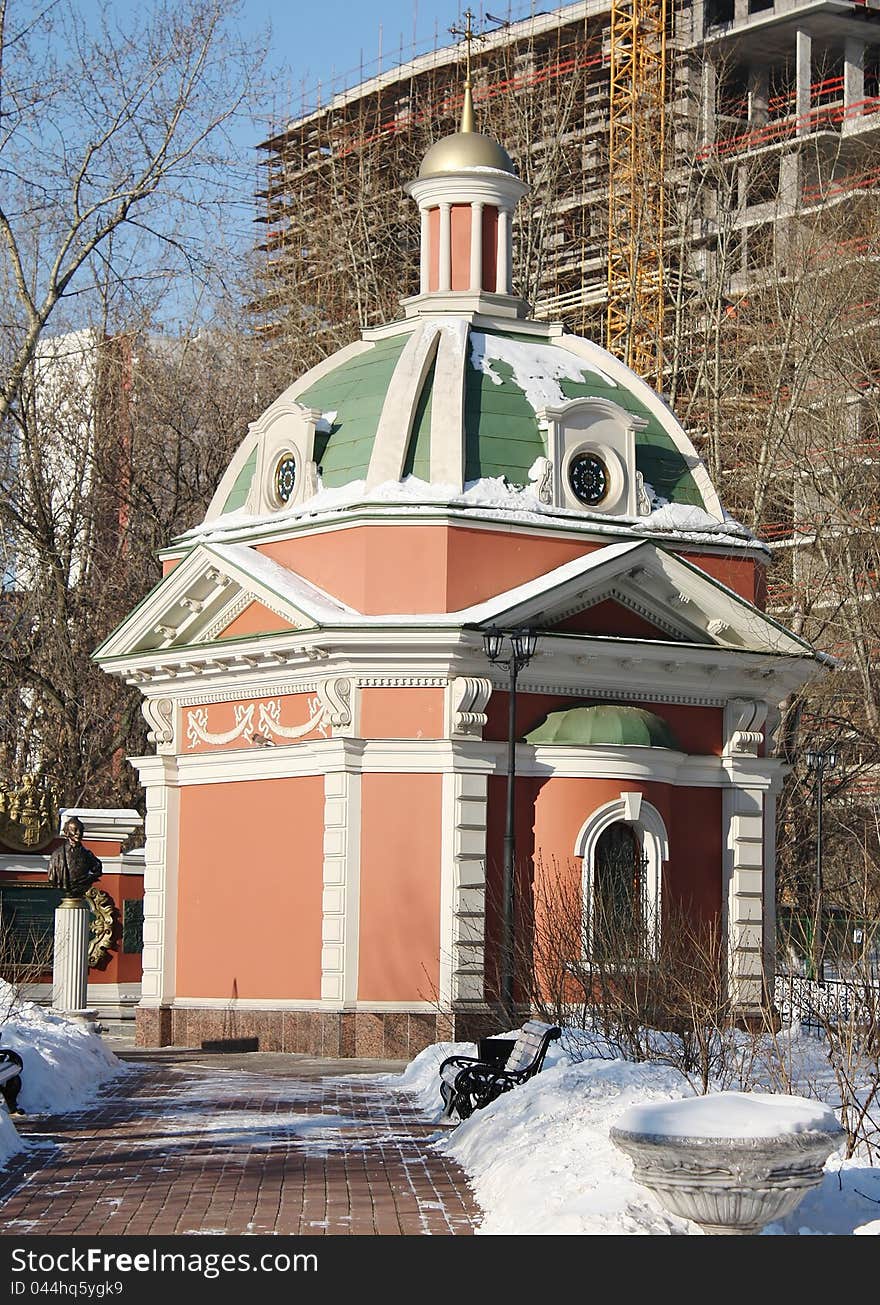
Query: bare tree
[(110, 152), (119, 177)]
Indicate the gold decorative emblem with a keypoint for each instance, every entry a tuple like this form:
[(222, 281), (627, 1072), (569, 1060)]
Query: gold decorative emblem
[(101, 932), (28, 814)]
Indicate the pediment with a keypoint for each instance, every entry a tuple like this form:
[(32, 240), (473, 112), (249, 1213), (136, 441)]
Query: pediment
[(220, 592), (248, 617), (610, 618), (672, 600)]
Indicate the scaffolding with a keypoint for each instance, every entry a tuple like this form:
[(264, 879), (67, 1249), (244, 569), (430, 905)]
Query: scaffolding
[(607, 110), (636, 183)]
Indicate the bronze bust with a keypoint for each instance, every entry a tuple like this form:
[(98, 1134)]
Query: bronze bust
[(73, 867)]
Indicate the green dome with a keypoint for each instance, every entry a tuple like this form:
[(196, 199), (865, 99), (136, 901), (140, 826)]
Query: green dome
[(604, 723), (478, 392), (502, 374)]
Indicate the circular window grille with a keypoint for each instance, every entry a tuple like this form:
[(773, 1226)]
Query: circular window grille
[(588, 478), (285, 477)]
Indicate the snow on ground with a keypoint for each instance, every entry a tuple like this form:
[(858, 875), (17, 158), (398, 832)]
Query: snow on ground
[(64, 1061), (541, 1161), (540, 1158)]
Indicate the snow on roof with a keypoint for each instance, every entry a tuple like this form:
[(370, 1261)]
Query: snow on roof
[(284, 583), (537, 368), (494, 499)]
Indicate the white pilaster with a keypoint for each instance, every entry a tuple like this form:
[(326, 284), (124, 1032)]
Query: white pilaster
[(744, 895), (159, 776), (340, 927), (463, 892), (769, 888)]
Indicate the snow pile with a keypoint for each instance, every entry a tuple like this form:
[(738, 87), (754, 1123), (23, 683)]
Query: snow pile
[(64, 1060), (489, 494), (541, 1161), (730, 1114), (685, 518)]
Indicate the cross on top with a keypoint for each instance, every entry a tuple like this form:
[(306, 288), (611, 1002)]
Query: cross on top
[(469, 35)]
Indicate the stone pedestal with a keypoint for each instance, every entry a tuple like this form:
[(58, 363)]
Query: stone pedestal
[(70, 968)]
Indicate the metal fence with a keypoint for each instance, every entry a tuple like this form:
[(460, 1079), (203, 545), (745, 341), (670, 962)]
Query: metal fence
[(836, 1002)]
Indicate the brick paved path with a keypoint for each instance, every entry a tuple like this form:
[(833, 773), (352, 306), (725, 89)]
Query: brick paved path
[(167, 1151)]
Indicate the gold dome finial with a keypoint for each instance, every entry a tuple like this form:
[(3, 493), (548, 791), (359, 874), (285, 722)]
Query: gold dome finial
[(467, 110), (468, 148)]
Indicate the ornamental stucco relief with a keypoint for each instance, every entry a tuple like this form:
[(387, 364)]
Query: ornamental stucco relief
[(261, 722)]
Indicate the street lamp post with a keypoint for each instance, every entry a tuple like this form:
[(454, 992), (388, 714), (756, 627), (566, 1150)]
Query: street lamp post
[(818, 761), (522, 649)]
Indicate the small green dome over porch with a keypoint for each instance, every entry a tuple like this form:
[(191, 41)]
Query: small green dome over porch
[(609, 723)]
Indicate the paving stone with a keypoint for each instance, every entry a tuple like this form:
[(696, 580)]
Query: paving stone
[(184, 1147)]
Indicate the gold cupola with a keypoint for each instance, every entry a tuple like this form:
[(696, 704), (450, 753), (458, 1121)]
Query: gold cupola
[(466, 190)]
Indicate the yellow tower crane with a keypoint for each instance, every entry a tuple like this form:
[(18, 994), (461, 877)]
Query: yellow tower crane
[(636, 184)]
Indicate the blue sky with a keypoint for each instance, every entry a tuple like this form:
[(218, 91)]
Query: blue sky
[(328, 40)]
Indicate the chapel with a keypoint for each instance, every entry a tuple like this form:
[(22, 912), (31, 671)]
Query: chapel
[(332, 865)]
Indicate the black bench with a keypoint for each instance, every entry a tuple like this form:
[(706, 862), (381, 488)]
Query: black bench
[(469, 1082), (11, 1065)]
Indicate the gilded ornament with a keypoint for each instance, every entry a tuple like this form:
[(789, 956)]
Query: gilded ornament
[(28, 814), (101, 932)]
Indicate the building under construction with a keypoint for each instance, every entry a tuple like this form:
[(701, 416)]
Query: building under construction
[(620, 114)]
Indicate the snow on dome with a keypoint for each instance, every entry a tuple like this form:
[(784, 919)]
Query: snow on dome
[(729, 1115), (537, 368)]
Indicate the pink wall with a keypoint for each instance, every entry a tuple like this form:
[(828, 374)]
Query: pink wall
[(460, 223), (400, 887), (251, 879), (490, 247), (408, 713), (255, 619), (430, 568)]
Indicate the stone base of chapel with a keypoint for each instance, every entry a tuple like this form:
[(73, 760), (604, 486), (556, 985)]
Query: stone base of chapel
[(386, 1035)]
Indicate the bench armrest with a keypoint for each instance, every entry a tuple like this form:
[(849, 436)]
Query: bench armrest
[(460, 1061)]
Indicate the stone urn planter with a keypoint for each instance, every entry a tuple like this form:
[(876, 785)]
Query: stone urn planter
[(732, 1161)]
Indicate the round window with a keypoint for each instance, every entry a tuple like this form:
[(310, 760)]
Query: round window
[(285, 477), (588, 478)]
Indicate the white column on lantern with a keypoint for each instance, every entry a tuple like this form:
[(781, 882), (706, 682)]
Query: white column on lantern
[(502, 275), (425, 269), (476, 245), (445, 282)]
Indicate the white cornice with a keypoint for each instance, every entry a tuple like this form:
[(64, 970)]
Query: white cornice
[(440, 756), (432, 513)]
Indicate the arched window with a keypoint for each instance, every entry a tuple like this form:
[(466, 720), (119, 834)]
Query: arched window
[(620, 925), (623, 845)]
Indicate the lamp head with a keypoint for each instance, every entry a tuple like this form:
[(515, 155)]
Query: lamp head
[(523, 643), (493, 643)]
